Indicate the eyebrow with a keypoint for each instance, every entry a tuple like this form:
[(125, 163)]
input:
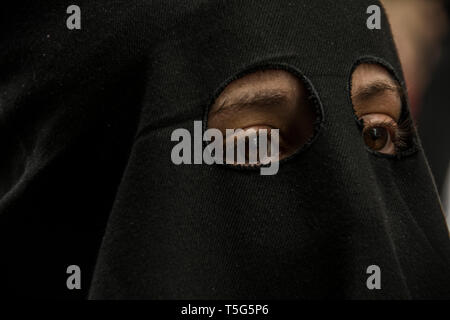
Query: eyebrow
[(263, 98), (377, 88)]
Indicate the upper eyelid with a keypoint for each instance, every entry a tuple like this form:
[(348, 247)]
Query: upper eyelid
[(390, 122), (377, 88)]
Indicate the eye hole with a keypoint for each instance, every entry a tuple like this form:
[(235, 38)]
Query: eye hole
[(377, 102), (274, 101)]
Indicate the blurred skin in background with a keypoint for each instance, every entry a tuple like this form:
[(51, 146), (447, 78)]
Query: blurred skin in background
[(419, 27)]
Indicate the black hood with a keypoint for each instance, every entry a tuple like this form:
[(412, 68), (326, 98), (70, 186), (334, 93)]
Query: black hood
[(211, 231)]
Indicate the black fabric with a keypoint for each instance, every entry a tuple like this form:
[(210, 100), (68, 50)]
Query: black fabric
[(87, 178), (433, 124)]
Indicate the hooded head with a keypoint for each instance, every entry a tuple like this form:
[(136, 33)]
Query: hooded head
[(353, 189)]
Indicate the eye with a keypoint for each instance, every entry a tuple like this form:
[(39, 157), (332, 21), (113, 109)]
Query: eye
[(247, 143), (378, 138), (381, 133)]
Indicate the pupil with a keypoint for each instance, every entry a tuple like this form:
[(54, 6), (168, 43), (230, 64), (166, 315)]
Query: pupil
[(376, 138), (376, 133)]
